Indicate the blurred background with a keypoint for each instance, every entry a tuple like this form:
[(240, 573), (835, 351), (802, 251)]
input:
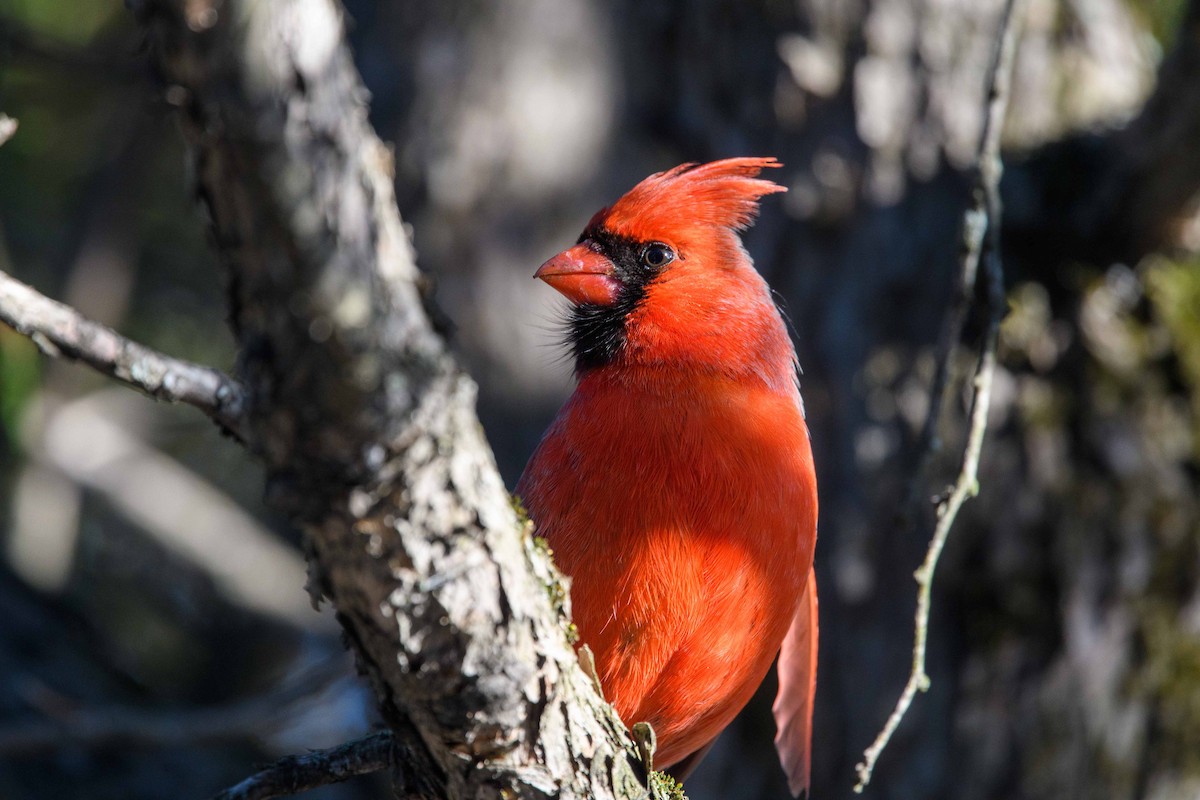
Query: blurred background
[(156, 639)]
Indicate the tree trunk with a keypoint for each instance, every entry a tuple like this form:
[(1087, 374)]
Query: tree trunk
[(367, 425)]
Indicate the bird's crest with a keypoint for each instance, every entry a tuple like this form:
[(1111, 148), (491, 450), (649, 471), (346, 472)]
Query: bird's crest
[(722, 194)]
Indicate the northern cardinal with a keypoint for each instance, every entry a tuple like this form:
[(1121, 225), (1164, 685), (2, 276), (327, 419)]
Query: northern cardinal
[(676, 485)]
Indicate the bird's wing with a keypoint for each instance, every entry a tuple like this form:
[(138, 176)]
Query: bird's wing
[(797, 689)]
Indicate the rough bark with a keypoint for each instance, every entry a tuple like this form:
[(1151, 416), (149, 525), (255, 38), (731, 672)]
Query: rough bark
[(365, 422)]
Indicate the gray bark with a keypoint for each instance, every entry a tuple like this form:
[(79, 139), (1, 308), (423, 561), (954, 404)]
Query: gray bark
[(365, 422)]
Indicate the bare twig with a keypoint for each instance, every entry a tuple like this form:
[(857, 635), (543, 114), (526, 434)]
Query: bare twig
[(981, 240), (295, 774), (59, 330), (975, 225)]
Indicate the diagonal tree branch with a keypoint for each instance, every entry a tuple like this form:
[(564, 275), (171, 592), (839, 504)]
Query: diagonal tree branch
[(60, 330), (402, 752), (365, 422), (295, 774), (981, 241)]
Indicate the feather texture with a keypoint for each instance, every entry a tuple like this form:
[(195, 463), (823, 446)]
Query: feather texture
[(676, 485)]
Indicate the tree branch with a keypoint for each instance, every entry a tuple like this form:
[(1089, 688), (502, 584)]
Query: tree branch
[(981, 239), (295, 774), (365, 422), (59, 330)]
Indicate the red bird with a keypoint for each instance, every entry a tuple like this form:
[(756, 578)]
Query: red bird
[(676, 485)]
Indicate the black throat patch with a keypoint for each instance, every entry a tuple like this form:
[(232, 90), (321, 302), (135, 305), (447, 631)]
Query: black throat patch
[(596, 333)]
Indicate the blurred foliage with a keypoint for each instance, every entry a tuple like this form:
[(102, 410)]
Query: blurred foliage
[(1174, 289), (20, 376), (1172, 678), (72, 23), (1108, 394), (1161, 17)]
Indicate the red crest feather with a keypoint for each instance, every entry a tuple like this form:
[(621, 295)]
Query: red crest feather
[(722, 194)]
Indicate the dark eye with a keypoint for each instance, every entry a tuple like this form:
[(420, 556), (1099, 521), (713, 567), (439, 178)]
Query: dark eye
[(657, 255)]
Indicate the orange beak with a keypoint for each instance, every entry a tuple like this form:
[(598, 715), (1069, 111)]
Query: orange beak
[(582, 275)]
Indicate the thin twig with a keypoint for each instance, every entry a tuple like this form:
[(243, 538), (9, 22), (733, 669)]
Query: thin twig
[(61, 331), (295, 774), (975, 224), (982, 217)]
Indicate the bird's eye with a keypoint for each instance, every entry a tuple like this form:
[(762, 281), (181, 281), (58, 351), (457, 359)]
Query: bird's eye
[(657, 255)]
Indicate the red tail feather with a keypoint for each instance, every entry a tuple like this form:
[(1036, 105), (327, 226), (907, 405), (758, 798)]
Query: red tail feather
[(797, 690)]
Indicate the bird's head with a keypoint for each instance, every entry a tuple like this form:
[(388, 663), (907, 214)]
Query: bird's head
[(661, 276)]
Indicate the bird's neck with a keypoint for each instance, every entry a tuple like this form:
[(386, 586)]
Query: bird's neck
[(679, 338)]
